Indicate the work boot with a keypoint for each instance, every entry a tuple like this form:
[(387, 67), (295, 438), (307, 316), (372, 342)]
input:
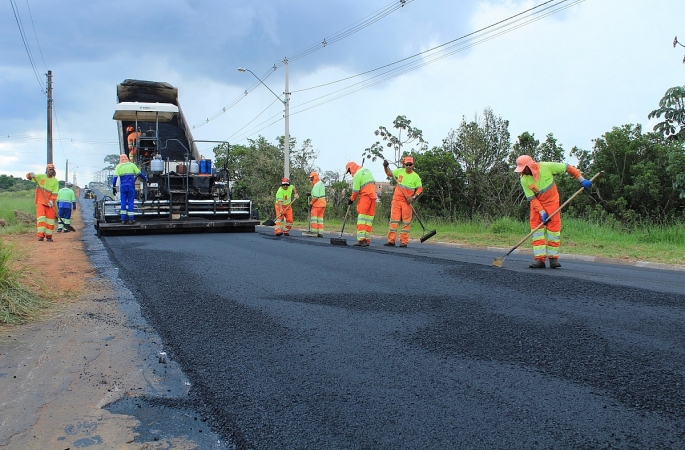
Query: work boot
[(123, 222), (319, 235), (40, 239), (279, 233), (361, 243), (48, 239), (389, 244), (554, 263), (538, 264), (403, 245), (286, 234), (132, 222), (59, 230)]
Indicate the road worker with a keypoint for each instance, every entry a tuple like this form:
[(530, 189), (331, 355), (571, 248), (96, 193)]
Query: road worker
[(537, 181), (364, 188), (317, 204), (407, 190), (132, 139), (66, 202), (284, 207), (46, 196), (128, 172)]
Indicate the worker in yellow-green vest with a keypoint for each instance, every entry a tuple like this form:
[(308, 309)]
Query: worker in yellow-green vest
[(127, 172), (66, 203), (537, 181), (408, 189), (284, 211), (317, 204), (46, 195), (364, 187)]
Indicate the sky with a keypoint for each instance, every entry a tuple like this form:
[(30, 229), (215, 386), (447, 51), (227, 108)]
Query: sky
[(576, 70)]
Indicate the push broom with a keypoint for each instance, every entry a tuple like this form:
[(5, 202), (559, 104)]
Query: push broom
[(340, 240), (499, 261)]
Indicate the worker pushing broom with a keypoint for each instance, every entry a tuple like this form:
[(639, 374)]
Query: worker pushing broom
[(537, 181), (407, 190)]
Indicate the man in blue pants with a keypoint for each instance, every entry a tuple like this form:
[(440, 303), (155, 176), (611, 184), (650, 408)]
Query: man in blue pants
[(128, 172)]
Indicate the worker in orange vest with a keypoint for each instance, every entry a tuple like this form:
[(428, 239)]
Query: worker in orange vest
[(284, 210), (537, 181), (46, 195), (408, 189), (364, 188), (132, 139), (317, 204)]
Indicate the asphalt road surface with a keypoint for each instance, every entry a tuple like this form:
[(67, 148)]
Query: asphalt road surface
[(293, 342)]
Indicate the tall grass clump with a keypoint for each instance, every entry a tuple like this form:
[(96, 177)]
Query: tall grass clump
[(16, 201), (17, 304)]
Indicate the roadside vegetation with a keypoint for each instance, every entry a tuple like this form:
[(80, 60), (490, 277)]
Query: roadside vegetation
[(17, 303)]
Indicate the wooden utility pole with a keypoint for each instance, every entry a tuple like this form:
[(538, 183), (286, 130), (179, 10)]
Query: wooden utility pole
[(66, 172), (50, 117)]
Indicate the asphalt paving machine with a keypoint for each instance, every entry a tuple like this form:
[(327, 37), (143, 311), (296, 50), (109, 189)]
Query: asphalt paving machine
[(184, 191)]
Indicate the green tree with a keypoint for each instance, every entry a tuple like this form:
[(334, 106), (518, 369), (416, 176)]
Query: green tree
[(672, 108), (443, 182), (111, 161), (640, 174), (481, 147), (413, 136)]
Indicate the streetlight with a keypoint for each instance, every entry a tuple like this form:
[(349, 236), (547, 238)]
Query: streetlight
[(286, 104)]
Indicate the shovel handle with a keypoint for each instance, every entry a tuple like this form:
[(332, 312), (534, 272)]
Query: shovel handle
[(550, 216)]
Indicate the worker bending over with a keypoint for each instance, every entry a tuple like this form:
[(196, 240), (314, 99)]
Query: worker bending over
[(364, 187), (537, 181), (284, 211), (66, 202), (317, 204)]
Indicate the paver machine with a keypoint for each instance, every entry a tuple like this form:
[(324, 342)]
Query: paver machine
[(184, 191)]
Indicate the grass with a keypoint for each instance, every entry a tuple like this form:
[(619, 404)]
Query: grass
[(16, 201), (660, 244), (17, 304)]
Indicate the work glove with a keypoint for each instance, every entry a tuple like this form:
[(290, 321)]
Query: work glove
[(544, 217), (114, 190), (30, 175), (297, 195), (50, 204), (350, 201), (385, 163), (587, 184)]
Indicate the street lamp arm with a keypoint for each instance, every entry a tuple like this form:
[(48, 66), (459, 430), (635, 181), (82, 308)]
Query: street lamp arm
[(242, 69)]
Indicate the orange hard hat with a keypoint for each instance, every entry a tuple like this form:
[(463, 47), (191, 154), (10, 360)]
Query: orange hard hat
[(313, 174), (129, 128), (351, 168), (285, 181), (408, 159), (522, 162)]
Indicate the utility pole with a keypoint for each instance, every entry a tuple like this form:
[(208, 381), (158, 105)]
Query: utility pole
[(49, 117), (66, 172), (286, 144)]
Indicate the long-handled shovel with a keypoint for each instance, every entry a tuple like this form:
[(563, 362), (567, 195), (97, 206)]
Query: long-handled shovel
[(65, 225), (340, 240), (499, 261)]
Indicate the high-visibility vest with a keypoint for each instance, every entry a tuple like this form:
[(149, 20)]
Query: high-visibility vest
[(285, 195), (408, 184)]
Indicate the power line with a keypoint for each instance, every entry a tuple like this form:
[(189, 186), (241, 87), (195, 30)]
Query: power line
[(17, 17), (447, 49), (342, 34)]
